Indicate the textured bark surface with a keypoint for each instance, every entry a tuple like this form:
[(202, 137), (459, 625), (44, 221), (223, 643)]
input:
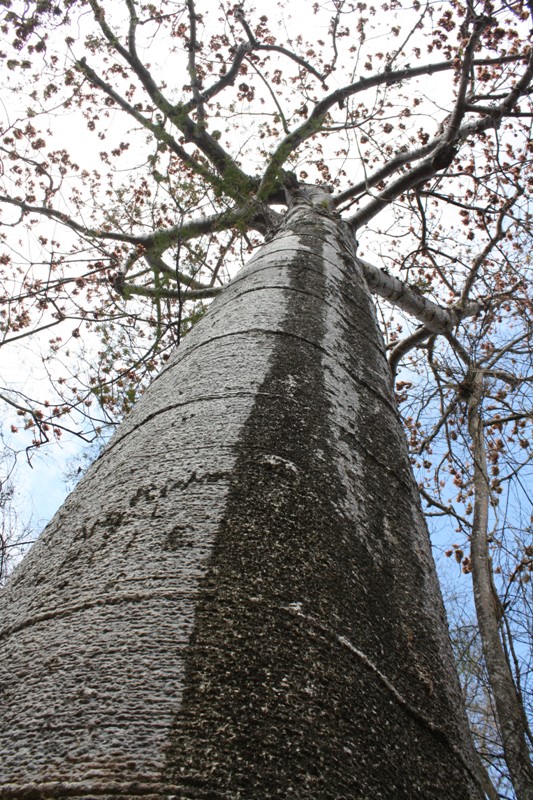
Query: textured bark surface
[(239, 600)]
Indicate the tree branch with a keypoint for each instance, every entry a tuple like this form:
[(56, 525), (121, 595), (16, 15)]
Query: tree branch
[(157, 292), (59, 216), (452, 128), (436, 319), (193, 71), (235, 182), (156, 129), (315, 120), (402, 348)]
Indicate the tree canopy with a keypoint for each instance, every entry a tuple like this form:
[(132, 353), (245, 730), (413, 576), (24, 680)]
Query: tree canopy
[(146, 151)]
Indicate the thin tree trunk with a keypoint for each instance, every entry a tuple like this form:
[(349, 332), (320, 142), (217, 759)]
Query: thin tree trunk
[(509, 711), (239, 599)]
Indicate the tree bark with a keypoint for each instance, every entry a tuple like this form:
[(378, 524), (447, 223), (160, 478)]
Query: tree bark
[(239, 598)]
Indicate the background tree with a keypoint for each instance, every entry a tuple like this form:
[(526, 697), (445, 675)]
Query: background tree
[(419, 120), (16, 530)]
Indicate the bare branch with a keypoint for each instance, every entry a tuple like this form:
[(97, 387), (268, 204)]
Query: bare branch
[(64, 219), (497, 237), (226, 80), (409, 343), (452, 128), (448, 510), (157, 292), (255, 45), (193, 72)]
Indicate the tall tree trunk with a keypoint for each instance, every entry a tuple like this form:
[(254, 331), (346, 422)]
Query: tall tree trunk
[(239, 599)]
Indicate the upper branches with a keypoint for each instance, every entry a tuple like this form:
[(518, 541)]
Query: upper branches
[(220, 113), (234, 180)]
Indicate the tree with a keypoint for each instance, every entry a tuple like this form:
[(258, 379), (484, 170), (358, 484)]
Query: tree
[(239, 598), (16, 533)]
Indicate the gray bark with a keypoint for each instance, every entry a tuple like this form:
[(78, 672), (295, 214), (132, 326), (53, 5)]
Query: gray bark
[(239, 599), (436, 319)]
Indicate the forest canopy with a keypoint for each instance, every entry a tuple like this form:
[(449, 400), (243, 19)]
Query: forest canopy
[(146, 152)]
